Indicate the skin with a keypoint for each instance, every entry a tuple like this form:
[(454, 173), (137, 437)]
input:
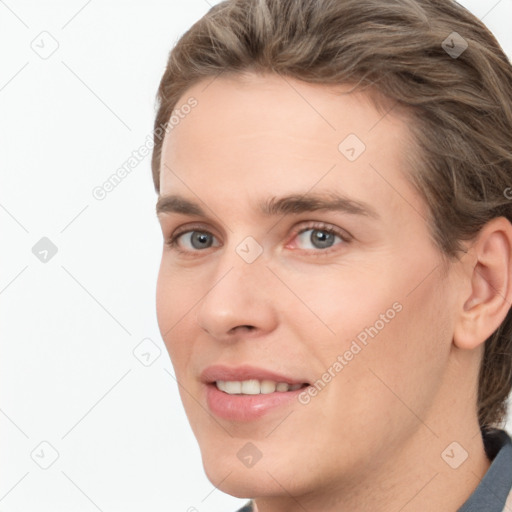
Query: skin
[(373, 438)]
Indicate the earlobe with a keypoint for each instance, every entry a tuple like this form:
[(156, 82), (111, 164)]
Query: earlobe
[(490, 297)]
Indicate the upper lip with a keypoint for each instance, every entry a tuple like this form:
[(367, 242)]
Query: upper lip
[(244, 372)]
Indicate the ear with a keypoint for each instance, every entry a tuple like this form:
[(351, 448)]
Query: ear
[(486, 305)]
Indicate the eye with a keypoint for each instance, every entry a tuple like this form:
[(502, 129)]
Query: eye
[(319, 237), (316, 239), (192, 240)]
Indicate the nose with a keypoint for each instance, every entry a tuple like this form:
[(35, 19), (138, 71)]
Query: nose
[(238, 300)]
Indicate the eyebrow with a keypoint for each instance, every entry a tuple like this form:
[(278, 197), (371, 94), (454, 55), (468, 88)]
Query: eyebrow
[(291, 204)]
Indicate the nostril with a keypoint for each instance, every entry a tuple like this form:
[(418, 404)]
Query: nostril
[(248, 327), (239, 327)]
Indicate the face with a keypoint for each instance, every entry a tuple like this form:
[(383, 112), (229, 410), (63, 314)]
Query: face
[(299, 291)]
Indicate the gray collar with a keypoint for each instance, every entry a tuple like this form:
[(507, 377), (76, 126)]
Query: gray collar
[(492, 491)]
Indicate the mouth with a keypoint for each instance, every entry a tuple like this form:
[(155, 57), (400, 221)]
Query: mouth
[(256, 387), (245, 393)]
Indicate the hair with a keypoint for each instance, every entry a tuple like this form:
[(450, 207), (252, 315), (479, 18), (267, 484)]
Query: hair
[(459, 106)]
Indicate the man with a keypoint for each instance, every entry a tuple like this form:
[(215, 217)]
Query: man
[(335, 283)]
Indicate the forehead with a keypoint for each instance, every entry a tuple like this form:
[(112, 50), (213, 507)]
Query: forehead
[(261, 132), (253, 102)]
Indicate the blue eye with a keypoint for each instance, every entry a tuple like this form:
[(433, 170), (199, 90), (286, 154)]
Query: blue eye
[(193, 240), (318, 238)]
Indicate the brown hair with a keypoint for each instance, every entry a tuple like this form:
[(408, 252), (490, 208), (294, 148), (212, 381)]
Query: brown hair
[(460, 105)]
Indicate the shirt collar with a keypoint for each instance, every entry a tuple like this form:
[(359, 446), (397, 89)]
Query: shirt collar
[(494, 488)]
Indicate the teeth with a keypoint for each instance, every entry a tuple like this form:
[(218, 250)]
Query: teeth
[(233, 387), (282, 386), (267, 386), (254, 387), (250, 387)]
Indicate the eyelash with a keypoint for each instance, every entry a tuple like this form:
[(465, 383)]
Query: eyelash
[(172, 241)]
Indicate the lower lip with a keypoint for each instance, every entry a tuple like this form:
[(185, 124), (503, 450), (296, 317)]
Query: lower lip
[(246, 408)]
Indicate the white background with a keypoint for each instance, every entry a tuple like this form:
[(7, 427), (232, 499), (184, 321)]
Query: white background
[(68, 373)]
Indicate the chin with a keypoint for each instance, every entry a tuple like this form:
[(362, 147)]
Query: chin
[(265, 478), (242, 484)]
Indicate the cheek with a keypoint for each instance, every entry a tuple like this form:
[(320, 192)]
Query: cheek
[(392, 333), (165, 300), (174, 307), (338, 305), (400, 367), (177, 291)]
